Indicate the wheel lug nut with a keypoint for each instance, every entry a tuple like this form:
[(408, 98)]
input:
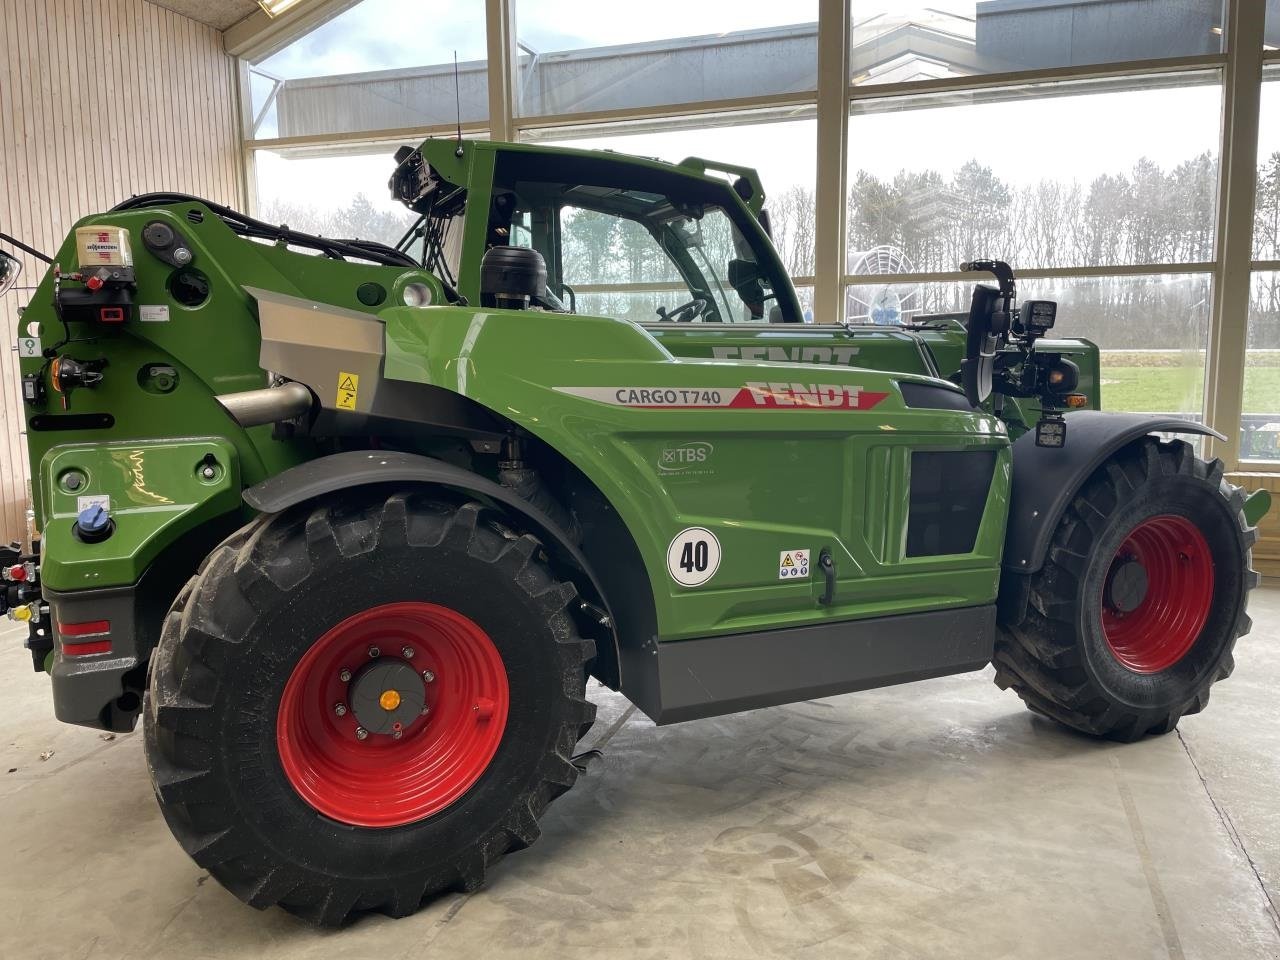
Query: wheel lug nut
[(374, 653), (344, 675), (361, 733), (397, 734), (340, 709), (428, 676), (407, 652)]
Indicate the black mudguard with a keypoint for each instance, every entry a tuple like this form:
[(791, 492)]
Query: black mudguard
[(357, 468), (1045, 479)]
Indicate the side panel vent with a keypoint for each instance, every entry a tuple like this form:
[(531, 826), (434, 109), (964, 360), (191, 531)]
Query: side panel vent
[(948, 493)]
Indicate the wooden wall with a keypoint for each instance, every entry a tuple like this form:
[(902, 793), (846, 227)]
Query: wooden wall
[(99, 99)]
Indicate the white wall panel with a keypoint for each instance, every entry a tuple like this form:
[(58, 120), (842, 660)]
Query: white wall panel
[(99, 100)]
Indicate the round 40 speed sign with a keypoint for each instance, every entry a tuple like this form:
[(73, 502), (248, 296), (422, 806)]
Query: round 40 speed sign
[(693, 557)]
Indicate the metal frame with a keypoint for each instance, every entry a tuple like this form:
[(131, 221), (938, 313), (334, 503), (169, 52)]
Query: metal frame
[(1239, 69)]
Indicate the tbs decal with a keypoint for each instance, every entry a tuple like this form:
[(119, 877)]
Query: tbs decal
[(686, 457)]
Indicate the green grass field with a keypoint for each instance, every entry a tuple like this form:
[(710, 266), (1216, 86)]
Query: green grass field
[(1173, 382)]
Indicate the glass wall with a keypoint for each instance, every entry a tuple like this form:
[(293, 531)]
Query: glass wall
[(343, 195), (894, 42), (380, 65), (578, 56), (1078, 140)]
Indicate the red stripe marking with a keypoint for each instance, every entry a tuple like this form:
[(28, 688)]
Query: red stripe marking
[(86, 629), (86, 648)]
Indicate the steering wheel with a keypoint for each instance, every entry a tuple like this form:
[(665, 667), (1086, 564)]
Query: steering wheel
[(686, 312)]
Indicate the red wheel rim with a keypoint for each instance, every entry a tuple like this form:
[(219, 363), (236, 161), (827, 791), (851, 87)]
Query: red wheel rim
[(384, 780), (1152, 632)]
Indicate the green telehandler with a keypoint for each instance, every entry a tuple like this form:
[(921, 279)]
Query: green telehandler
[(350, 526)]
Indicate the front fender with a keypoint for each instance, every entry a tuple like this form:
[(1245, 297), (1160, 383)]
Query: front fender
[(357, 468), (1045, 479)]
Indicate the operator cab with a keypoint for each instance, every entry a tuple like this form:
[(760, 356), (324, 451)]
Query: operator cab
[(620, 237)]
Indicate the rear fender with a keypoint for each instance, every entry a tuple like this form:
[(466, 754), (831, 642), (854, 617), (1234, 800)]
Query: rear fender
[(359, 468)]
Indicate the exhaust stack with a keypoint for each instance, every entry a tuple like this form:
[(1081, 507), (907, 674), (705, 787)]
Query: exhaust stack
[(253, 408)]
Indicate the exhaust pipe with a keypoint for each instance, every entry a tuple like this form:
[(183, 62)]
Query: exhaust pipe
[(253, 408)]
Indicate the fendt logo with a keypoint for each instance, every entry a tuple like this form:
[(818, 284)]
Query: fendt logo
[(842, 356), (685, 457)]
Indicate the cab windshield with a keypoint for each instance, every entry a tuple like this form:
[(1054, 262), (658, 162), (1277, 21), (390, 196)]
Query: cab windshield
[(627, 240)]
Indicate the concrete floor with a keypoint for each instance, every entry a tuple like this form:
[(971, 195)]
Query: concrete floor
[(937, 820)]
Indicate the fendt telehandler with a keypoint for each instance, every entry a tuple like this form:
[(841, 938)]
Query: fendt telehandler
[(350, 526)]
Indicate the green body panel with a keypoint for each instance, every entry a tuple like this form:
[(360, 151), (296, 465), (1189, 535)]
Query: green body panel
[(156, 494), (212, 347), (776, 479)]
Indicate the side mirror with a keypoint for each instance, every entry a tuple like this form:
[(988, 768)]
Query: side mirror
[(10, 268)]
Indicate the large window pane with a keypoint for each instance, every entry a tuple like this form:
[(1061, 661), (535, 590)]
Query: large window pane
[(1266, 234), (580, 55), (1260, 424), (1042, 175), (1151, 331), (344, 196), (381, 65), (893, 42), (783, 152)]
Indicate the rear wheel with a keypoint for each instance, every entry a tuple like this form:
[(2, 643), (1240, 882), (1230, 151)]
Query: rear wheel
[(354, 707), (1137, 609)]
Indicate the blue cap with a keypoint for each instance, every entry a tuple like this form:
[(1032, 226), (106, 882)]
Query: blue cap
[(94, 524)]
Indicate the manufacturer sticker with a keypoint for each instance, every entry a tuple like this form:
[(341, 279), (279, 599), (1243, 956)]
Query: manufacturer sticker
[(28, 347), (348, 390), (153, 312), (751, 396), (793, 564), (93, 499), (685, 457), (840, 356), (693, 557)]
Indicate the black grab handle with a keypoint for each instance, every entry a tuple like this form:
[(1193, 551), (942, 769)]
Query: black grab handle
[(828, 568)]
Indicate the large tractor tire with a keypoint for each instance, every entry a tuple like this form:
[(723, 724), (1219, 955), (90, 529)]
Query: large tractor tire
[(356, 705), (1141, 598)]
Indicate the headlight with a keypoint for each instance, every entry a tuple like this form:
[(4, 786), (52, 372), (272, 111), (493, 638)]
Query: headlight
[(9, 270), (416, 295)]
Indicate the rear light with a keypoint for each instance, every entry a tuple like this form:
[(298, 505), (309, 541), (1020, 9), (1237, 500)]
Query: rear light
[(85, 639)]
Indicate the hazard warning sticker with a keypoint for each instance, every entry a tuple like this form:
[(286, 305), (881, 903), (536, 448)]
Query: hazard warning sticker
[(793, 564), (348, 390), (751, 396)]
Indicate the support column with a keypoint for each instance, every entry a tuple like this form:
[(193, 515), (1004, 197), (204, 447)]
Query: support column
[(833, 129), (501, 33), (1237, 184)]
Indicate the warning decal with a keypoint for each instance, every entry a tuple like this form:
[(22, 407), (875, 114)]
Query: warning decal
[(793, 564), (751, 396), (348, 390)]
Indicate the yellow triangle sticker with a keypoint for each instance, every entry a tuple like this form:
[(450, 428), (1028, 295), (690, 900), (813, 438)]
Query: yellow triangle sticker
[(348, 390), (787, 561)]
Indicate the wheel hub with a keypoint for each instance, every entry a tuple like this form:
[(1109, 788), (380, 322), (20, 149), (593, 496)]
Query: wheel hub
[(370, 740), (1157, 594), (387, 696), (1126, 585)]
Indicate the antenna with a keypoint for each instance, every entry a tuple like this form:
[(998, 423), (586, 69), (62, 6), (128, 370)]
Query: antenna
[(457, 96)]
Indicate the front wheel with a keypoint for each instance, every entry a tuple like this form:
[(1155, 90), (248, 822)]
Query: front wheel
[(357, 705), (1137, 609)]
